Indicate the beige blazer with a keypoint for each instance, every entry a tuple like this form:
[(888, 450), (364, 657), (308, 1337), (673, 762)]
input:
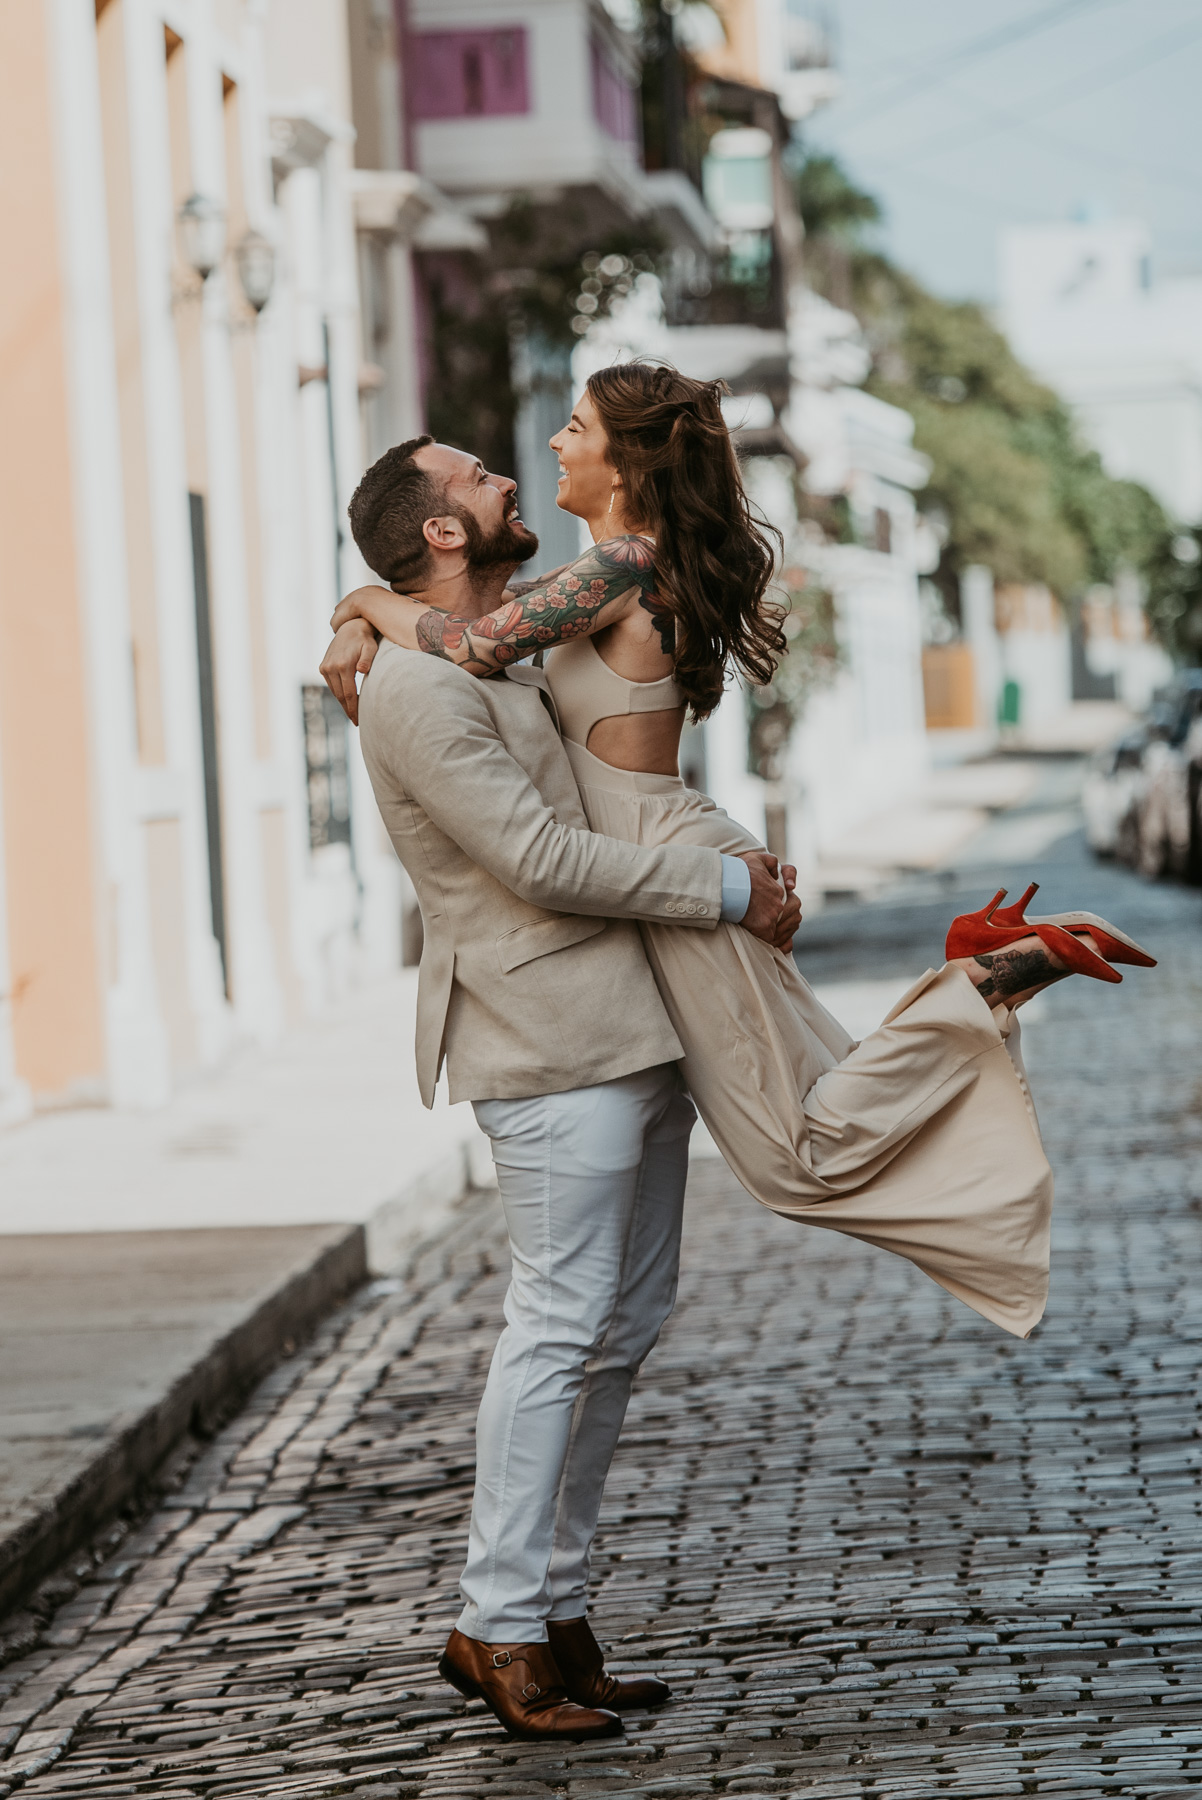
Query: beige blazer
[(529, 982)]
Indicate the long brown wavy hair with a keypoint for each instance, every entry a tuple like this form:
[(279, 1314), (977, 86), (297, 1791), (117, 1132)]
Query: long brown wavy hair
[(670, 445)]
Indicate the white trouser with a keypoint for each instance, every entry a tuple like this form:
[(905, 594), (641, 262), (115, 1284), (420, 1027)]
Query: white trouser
[(592, 1182)]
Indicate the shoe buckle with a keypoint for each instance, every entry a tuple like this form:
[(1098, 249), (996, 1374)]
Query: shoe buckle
[(531, 1691), (501, 1659)]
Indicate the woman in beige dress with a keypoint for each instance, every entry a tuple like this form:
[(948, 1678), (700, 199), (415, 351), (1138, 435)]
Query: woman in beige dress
[(922, 1138)]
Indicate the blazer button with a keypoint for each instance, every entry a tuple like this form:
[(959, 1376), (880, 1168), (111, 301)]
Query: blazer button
[(670, 906)]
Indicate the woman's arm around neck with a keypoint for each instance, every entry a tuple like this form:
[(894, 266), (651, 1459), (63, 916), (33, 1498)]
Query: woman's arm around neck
[(582, 598)]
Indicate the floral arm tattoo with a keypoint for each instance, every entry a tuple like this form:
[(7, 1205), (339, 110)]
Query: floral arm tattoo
[(580, 599), (517, 590)]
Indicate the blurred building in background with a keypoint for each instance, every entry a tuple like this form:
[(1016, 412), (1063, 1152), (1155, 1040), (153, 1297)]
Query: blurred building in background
[(529, 115), (1081, 308), (786, 47)]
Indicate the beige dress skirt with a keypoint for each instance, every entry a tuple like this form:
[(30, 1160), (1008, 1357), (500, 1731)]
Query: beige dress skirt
[(922, 1139)]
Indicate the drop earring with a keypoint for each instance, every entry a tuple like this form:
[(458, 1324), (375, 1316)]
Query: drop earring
[(613, 490)]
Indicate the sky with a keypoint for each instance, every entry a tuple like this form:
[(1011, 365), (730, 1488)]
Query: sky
[(963, 116)]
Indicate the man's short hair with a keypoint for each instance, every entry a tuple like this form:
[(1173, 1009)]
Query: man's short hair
[(389, 508)]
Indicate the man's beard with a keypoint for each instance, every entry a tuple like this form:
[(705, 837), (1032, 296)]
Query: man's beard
[(508, 543)]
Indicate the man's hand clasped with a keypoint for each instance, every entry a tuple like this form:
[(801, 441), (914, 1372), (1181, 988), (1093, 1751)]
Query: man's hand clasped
[(774, 910)]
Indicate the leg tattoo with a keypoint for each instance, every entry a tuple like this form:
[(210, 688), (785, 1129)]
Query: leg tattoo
[(1010, 971)]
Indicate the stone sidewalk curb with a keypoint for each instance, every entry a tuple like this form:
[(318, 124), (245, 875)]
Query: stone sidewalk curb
[(231, 1366), (246, 1487), (205, 1392)]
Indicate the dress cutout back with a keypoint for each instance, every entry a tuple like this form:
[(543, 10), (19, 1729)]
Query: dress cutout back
[(586, 690)]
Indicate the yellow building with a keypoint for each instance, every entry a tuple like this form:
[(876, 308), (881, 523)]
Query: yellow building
[(785, 46)]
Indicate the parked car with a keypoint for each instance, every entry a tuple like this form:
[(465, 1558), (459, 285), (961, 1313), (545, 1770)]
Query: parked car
[(1142, 797), (1113, 782)]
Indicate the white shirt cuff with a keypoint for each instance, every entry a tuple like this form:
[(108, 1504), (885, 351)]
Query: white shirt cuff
[(736, 889)]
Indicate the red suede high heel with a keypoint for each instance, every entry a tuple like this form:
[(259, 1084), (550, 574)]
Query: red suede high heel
[(975, 934), (963, 932), (1014, 915), (1113, 944)]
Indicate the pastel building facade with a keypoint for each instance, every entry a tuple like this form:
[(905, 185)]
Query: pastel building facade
[(189, 856), (216, 317)]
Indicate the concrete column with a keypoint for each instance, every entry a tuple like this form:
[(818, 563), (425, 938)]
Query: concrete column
[(174, 793), (325, 569), (377, 874), (405, 368), (287, 507), (297, 562), (542, 377), (137, 1052), (254, 982), (738, 792), (343, 327)]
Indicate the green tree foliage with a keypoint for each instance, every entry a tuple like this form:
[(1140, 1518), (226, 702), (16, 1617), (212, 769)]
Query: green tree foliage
[(830, 205), (1174, 606), (1017, 487), (811, 662)]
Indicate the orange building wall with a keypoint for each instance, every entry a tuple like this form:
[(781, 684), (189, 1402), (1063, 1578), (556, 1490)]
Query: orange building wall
[(114, 112), (737, 58), (54, 952), (949, 687)]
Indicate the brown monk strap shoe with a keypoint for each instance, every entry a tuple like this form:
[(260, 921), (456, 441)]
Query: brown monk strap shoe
[(522, 1685), (580, 1661)]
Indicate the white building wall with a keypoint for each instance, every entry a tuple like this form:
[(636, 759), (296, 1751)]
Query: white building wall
[(252, 963), (861, 746), (1041, 663), (1080, 305), (728, 780), (136, 1051), (287, 484), (173, 790), (347, 901)]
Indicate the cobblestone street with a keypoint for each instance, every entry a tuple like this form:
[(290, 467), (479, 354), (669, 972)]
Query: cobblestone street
[(878, 1548)]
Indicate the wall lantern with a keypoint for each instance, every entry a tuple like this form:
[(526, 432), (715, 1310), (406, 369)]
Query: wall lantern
[(255, 258), (202, 233)]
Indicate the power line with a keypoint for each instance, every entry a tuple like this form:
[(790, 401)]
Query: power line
[(954, 139), (935, 69), (966, 197), (1021, 214), (1124, 164), (937, 72)]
